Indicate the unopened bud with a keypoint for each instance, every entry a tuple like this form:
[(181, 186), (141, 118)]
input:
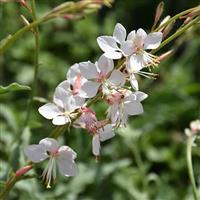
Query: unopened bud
[(23, 170), (159, 11), (165, 55), (24, 4), (168, 29), (195, 126)]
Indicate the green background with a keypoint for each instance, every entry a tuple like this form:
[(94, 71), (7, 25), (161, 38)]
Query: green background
[(145, 161)]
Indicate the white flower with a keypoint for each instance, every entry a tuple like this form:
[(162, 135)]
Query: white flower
[(62, 157), (74, 81), (135, 46), (101, 134), (99, 74), (63, 107), (124, 103), (110, 44)]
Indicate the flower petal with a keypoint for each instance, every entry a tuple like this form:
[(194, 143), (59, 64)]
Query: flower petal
[(73, 72), (60, 120), (65, 161), (135, 63), (127, 48), (49, 111), (49, 144), (133, 108), (89, 89), (66, 151), (153, 40), (140, 96), (119, 33), (61, 97), (131, 36), (141, 33), (88, 70), (107, 43), (106, 132), (105, 64), (36, 153), (96, 145), (134, 82), (65, 85), (113, 54), (117, 78)]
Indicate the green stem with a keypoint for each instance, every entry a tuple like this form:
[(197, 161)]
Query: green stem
[(10, 183), (140, 165), (36, 61), (190, 167), (175, 35)]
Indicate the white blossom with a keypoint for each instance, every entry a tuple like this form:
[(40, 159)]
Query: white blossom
[(134, 49), (62, 157), (111, 45), (62, 108), (124, 103), (99, 74)]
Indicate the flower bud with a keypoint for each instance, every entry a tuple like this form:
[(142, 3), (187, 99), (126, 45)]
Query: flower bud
[(23, 170), (195, 126), (165, 55), (159, 11)]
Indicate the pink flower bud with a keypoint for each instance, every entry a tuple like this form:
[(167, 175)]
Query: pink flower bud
[(23, 170)]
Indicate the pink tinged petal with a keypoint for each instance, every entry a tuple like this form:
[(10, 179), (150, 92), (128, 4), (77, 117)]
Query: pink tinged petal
[(106, 132), (127, 48), (141, 33), (117, 78), (140, 96), (89, 89), (36, 153), (96, 145), (65, 161), (60, 120), (131, 36), (134, 82), (153, 40), (119, 33), (133, 108), (49, 144), (89, 70), (49, 111), (105, 65)]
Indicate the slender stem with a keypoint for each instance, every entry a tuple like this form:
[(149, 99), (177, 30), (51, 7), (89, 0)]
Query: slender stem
[(140, 164), (10, 183), (190, 167), (36, 62), (175, 35)]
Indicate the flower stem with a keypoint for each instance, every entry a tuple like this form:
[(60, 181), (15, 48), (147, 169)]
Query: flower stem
[(176, 34), (190, 167), (36, 61)]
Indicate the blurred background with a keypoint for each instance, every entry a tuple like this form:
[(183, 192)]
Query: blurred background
[(146, 160)]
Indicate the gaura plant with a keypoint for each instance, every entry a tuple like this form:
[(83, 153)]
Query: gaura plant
[(112, 79)]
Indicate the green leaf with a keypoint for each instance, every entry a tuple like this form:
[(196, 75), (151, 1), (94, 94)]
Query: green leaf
[(13, 87)]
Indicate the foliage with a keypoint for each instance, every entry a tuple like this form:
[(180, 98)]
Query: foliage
[(146, 160)]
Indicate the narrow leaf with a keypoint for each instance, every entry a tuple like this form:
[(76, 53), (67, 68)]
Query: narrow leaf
[(13, 87)]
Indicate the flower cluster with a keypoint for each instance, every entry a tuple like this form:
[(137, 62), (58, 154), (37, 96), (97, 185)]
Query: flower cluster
[(111, 79)]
